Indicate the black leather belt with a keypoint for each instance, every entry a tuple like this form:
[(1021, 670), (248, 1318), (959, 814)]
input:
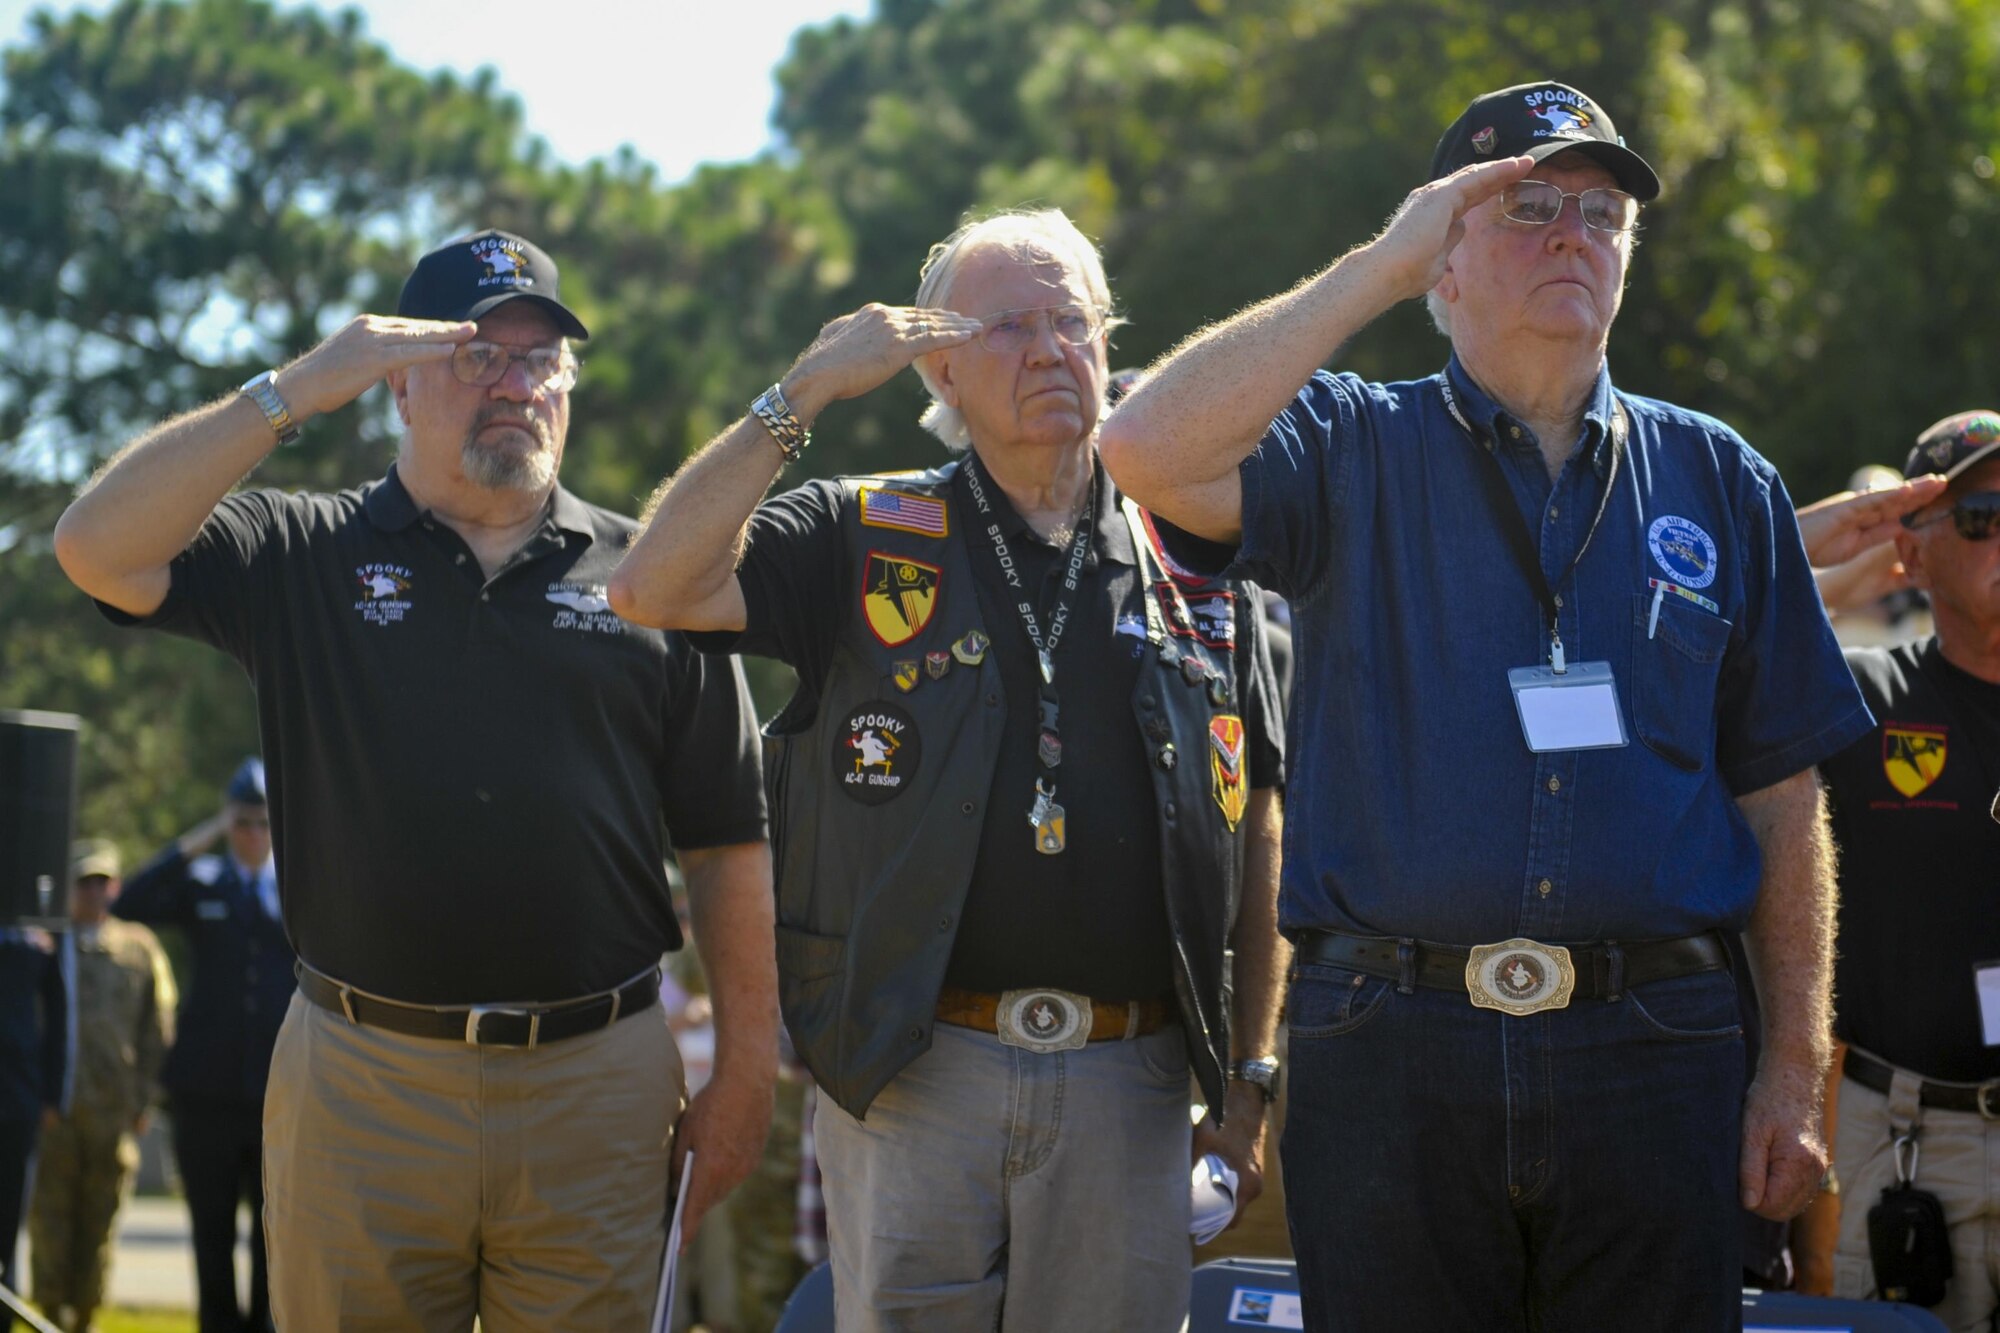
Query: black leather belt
[(1602, 970), (484, 1024), (1982, 1099)]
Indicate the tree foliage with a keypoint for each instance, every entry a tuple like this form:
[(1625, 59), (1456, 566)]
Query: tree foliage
[(199, 188)]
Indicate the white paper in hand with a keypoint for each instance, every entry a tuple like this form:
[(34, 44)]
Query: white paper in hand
[(1214, 1198), (663, 1307)]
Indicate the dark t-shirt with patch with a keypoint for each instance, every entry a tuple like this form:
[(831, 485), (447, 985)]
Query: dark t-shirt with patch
[(1093, 918), (1919, 863), (473, 782)]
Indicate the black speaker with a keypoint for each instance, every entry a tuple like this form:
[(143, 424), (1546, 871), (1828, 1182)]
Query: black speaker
[(37, 813)]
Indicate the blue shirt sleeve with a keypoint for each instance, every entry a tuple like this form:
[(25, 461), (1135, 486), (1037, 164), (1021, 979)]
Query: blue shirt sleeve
[(1293, 484), (1786, 699), (156, 894)]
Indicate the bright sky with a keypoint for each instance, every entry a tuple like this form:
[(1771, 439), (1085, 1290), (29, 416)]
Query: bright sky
[(682, 82)]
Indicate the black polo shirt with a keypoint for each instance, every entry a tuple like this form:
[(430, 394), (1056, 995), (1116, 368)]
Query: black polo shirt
[(1919, 863), (1092, 919), (473, 782)]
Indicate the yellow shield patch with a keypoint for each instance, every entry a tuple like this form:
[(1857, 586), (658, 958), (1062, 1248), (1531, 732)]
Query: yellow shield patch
[(1225, 767), (1912, 756), (898, 596)]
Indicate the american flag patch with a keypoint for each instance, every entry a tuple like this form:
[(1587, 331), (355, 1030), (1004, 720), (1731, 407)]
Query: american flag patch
[(903, 512)]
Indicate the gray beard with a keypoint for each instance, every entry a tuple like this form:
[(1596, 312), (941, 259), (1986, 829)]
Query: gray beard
[(507, 469)]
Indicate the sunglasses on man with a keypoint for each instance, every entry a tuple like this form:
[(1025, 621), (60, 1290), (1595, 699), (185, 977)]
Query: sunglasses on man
[(1975, 517)]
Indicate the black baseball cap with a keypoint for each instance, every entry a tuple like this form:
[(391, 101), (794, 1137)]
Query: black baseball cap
[(465, 278), (1953, 446), (1539, 120)]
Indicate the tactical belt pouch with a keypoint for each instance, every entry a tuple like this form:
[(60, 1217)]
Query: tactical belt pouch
[(1909, 1245)]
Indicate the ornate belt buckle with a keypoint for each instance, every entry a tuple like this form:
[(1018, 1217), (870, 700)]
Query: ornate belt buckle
[(1043, 1021), (1520, 976)]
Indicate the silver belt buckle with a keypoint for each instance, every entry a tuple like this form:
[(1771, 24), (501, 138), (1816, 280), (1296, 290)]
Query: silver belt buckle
[(1043, 1021), (1520, 976), (1987, 1099), (479, 1011)]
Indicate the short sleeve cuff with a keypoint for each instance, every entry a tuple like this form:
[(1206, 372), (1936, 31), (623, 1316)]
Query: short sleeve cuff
[(721, 835), (1774, 766)]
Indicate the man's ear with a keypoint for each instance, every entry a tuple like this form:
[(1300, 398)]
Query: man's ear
[(1447, 286), (938, 365), (1910, 550), (399, 389)]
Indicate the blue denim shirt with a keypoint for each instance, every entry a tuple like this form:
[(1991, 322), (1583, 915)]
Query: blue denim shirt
[(1415, 807)]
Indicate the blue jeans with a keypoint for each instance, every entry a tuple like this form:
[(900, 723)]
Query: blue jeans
[(1450, 1168)]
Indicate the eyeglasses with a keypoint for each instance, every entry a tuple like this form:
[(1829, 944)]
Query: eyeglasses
[(1008, 331), (248, 822), (1539, 203), (485, 364), (1975, 517)]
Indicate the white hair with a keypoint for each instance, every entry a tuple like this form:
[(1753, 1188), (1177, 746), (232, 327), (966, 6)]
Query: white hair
[(1028, 234)]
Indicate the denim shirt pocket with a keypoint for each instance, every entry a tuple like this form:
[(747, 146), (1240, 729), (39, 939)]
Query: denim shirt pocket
[(1676, 664)]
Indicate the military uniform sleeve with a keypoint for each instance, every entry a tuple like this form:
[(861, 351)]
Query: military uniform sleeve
[(712, 786), (1786, 699), (794, 578), (157, 893), (1263, 714), (222, 582)]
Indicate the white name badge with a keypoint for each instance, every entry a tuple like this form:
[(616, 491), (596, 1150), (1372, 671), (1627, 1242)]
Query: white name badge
[(1576, 710), (1987, 975)]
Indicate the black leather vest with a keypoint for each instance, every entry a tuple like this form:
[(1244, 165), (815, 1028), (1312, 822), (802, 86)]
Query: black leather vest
[(877, 798)]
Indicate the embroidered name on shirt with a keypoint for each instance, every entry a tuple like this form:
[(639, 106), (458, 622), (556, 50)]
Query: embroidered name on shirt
[(384, 592), (584, 607)]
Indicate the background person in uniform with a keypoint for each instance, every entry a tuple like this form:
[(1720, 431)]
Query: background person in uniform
[(1002, 938), (124, 1023), (34, 1074), (475, 772), (227, 908), (1443, 543), (1917, 983)]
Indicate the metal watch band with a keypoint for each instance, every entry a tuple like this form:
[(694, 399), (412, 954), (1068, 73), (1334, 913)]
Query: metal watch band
[(790, 436), (1260, 1074), (262, 390)]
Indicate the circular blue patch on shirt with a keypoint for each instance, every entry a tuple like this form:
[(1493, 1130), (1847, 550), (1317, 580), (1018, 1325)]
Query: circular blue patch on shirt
[(1684, 551)]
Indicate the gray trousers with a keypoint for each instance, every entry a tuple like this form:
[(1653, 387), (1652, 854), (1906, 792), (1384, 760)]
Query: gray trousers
[(991, 1188)]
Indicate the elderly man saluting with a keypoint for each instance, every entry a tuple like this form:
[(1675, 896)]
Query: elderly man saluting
[(475, 771), (1562, 681), (1015, 795)]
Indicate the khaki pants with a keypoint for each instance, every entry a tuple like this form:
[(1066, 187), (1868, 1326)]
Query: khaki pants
[(1958, 1160), (413, 1184), (87, 1165)]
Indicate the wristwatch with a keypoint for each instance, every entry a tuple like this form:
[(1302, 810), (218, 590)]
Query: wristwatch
[(1261, 1074), (262, 390), (787, 431)]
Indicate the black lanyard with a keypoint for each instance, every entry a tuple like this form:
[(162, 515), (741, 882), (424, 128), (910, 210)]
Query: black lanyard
[(1048, 741), (1526, 552)]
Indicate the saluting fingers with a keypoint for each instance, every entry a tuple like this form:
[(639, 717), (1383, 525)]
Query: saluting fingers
[(932, 328), (1472, 186)]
